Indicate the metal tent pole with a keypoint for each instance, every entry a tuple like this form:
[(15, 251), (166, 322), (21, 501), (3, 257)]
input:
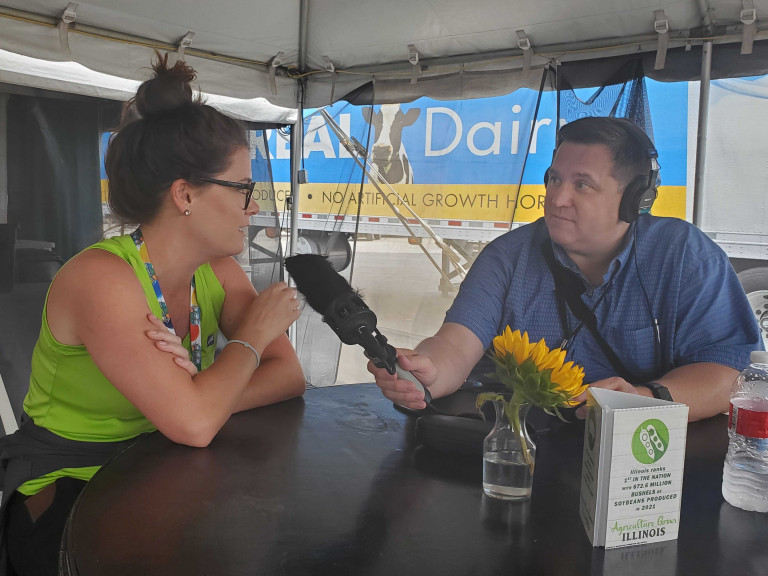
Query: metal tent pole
[(297, 132), (701, 138), (297, 145)]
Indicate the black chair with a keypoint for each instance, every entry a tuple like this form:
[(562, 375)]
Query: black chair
[(36, 261)]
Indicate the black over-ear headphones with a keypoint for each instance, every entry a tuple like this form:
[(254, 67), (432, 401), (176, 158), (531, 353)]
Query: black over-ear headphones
[(640, 193)]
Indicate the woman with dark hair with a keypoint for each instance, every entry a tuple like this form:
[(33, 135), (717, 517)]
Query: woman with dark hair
[(129, 327)]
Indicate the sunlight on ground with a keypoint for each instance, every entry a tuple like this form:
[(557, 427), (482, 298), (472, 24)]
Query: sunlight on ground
[(400, 284)]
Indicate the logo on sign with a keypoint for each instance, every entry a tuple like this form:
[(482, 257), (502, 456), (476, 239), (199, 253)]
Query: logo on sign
[(650, 441)]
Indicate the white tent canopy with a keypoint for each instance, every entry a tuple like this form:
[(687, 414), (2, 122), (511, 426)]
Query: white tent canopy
[(445, 48), (75, 78)]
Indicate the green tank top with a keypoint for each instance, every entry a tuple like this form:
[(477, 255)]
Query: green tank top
[(70, 396)]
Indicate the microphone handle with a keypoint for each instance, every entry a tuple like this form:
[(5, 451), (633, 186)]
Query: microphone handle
[(403, 374)]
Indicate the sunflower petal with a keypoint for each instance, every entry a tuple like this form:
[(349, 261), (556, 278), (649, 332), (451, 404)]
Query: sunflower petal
[(535, 373)]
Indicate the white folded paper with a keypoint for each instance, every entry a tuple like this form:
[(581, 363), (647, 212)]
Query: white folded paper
[(632, 469)]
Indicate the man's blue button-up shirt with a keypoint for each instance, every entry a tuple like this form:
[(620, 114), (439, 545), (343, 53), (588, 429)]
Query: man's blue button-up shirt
[(668, 272)]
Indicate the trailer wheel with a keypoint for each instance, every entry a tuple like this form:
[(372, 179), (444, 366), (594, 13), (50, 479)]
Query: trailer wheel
[(307, 245), (334, 245), (755, 284)]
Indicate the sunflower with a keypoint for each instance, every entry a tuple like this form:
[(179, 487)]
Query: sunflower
[(534, 373), (513, 343), (569, 378)]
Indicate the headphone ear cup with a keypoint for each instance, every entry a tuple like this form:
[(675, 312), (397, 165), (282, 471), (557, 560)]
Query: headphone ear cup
[(646, 201), (637, 199)]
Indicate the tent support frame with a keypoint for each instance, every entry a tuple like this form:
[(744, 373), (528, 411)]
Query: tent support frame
[(701, 137), (297, 146)]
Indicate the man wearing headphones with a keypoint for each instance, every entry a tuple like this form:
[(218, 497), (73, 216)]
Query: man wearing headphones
[(646, 305)]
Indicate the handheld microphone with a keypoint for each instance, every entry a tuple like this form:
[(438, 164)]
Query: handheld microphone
[(341, 307)]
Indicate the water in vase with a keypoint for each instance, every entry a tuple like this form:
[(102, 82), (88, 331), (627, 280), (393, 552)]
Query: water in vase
[(506, 475)]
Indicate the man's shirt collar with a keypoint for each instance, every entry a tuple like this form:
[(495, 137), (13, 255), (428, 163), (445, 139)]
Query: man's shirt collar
[(616, 264)]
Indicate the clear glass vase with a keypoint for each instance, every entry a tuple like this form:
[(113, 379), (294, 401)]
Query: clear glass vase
[(509, 454)]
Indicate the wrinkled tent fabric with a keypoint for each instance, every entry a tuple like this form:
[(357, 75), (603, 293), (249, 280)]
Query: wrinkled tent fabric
[(681, 66), (52, 164), (460, 50), (74, 78)]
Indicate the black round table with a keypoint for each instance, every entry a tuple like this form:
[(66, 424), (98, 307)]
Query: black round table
[(335, 483)]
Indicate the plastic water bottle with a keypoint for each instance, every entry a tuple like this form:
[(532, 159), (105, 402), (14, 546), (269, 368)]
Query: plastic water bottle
[(745, 474)]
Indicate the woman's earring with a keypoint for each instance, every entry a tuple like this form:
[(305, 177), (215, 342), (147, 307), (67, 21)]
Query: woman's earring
[(187, 212)]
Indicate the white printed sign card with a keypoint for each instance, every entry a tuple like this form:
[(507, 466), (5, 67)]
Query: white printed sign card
[(632, 469)]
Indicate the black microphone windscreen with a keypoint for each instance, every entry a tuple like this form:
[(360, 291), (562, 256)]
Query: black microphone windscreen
[(328, 293), (317, 280)]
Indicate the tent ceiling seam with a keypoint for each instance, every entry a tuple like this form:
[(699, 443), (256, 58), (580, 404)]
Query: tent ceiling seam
[(111, 35), (733, 33), (547, 53), (641, 44)]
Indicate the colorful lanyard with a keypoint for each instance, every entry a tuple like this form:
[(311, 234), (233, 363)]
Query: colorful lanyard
[(195, 339)]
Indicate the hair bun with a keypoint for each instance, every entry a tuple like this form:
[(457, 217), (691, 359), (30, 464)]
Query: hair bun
[(168, 89)]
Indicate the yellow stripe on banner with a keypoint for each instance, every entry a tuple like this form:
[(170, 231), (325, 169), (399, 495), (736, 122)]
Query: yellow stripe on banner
[(671, 202), (489, 202)]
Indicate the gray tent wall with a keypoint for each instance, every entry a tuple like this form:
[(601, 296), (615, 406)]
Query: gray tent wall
[(53, 210), (54, 191)]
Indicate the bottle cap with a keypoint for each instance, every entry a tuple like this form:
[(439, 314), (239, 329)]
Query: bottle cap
[(758, 357)]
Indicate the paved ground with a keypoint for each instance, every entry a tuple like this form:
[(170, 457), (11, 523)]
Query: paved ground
[(400, 285)]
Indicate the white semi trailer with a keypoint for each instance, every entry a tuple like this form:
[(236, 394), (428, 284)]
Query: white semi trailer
[(734, 198)]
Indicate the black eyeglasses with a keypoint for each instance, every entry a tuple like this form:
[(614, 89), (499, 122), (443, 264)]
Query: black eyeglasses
[(246, 188)]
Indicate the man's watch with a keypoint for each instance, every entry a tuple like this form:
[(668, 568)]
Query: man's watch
[(659, 391)]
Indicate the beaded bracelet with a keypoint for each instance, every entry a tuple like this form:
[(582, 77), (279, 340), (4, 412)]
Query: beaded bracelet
[(251, 348)]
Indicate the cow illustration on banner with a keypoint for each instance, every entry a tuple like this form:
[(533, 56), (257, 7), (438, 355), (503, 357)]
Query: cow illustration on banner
[(389, 156)]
